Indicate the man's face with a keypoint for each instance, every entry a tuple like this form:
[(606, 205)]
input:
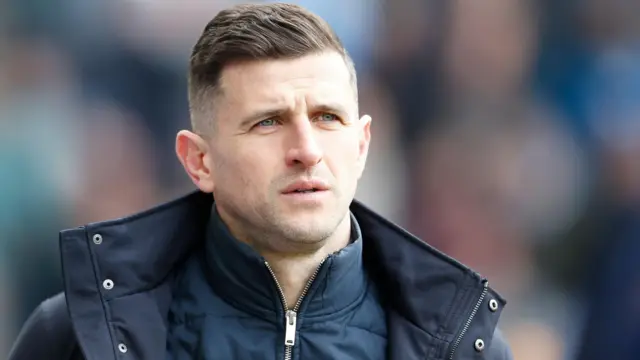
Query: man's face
[(283, 126)]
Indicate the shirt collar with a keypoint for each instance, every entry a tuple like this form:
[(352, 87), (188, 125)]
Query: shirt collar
[(240, 275)]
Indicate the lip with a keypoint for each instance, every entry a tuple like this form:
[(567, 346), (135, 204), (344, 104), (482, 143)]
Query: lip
[(304, 185)]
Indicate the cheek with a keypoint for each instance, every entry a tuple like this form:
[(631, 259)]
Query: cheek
[(342, 153), (242, 171)]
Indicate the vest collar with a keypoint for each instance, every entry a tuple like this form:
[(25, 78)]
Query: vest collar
[(241, 277)]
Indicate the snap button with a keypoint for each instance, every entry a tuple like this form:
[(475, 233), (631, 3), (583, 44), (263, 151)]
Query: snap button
[(97, 239), (493, 305), (108, 284), (479, 345), (122, 347)]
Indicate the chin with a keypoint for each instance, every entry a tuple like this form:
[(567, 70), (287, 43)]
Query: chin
[(310, 228), (307, 231)]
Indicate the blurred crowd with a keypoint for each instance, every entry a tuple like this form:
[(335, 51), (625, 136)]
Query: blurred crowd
[(506, 133)]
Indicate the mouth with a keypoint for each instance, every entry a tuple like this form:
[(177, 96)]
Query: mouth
[(306, 187), (300, 191)]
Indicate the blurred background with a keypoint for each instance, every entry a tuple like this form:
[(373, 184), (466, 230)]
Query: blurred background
[(506, 133)]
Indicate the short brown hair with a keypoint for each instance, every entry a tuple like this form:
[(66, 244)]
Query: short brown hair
[(254, 32)]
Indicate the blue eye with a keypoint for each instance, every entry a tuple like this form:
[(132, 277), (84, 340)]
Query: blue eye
[(267, 123), (328, 117)]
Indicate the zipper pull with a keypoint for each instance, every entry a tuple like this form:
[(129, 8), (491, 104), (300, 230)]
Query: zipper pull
[(290, 328)]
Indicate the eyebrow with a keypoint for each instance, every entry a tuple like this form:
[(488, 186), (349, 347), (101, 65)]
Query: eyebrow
[(330, 107)]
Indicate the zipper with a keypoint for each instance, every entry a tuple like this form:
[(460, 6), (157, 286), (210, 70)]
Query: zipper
[(469, 320), (291, 315)]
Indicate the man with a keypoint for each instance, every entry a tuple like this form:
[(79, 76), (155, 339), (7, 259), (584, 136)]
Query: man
[(283, 264)]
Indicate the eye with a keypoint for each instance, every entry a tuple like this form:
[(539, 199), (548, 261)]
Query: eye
[(267, 123), (328, 117)]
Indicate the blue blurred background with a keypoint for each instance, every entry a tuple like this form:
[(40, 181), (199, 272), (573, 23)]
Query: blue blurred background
[(506, 133)]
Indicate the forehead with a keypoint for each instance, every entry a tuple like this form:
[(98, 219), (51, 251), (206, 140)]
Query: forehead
[(318, 77)]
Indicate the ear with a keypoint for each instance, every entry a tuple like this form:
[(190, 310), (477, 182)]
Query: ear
[(365, 139), (194, 155)]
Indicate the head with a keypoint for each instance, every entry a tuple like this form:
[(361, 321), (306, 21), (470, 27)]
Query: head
[(274, 111)]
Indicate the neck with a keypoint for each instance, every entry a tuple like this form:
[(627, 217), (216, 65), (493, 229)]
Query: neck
[(294, 271)]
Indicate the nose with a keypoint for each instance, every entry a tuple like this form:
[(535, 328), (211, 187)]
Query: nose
[(304, 149)]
